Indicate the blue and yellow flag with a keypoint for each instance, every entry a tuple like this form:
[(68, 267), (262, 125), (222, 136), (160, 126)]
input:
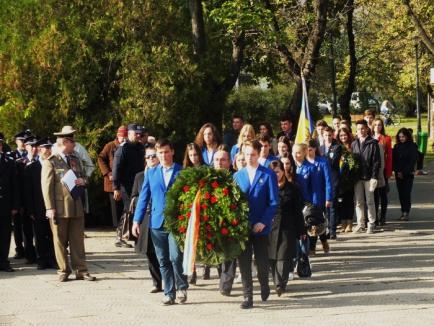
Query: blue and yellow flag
[(305, 124)]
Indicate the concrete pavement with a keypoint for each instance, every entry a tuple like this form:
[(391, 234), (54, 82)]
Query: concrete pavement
[(382, 279)]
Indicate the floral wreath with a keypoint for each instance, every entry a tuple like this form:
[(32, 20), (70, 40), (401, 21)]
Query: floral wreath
[(221, 209)]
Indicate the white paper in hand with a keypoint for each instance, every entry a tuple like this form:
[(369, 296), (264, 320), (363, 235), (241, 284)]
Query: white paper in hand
[(69, 179)]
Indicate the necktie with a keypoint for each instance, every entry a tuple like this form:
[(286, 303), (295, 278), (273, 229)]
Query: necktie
[(68, 160)]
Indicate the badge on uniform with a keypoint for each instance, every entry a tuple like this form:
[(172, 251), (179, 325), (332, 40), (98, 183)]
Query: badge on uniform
[(306, 176), (261, 181), (331, 155)]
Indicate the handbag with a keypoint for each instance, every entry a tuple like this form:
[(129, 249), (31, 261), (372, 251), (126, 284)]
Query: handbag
[(303, 263), (126, 229)]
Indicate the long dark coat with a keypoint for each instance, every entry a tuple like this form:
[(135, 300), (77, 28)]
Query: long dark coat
[(282, 242)]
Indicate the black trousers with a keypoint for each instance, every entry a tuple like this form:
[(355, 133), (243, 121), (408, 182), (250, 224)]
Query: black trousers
[(381, 202), (345, 205), (117, 208), (154, 266), (44, 241), (259, 246), (23, 236), (227, 275), (280, 270), (405, 187), (5, 239), (313, 240)]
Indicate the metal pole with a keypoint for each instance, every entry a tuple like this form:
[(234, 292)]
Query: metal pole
[(419, 122), (333, 71)]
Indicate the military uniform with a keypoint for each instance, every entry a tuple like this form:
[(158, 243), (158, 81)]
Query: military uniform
[(35, 208), (8, 202), (23, 229), (68, 224)]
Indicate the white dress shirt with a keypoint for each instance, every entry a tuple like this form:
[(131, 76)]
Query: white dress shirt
[(167, 174), (251, 172)]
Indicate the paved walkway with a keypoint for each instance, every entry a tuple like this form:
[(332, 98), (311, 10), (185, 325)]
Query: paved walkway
[(383, 279)]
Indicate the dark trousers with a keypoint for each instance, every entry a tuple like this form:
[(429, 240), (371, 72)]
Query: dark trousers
[(117, 208), (313, 240), (23, 236), (170, 262), (381, 202), (280, 270), (259, 246), (227, 275), (405, 186), (154, 267), (419, 162), (44, 241), (5, 239), (332, 216), (345, 206)]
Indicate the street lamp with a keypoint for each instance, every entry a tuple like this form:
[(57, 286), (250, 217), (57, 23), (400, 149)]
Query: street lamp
[(419, 122)]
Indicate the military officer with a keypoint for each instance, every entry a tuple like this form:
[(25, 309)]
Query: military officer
[(34, 201), (8, 205), (65, 209), (23, 229)]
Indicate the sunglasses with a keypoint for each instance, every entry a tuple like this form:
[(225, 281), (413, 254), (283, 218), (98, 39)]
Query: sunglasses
[(151, 156)]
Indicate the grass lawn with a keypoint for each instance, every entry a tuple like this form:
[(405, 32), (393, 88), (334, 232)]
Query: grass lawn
[(407, 123)]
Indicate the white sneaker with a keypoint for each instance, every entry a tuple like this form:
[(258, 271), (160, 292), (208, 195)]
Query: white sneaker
[(358, 229), (371, 229), (181, 296), (290, 276), (238, 279)]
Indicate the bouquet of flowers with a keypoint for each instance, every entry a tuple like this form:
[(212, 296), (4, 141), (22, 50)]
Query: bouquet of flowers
[(207, 214)]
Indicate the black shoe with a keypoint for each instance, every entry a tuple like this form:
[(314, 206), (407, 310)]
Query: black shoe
[(156, 289), (85, 277), (265, 293), (193, 279), (333, 237), (30, 261), (122, 244), (225, 293), (42, 266), (279, 291), (6, 268), (206, 273), (247, 303), (19, 255)]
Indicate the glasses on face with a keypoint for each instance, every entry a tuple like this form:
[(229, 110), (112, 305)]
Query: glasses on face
[(151, 156)]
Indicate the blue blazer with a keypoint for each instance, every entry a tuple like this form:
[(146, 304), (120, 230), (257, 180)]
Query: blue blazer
[(263, 196), (234, 151), (304, 179), (269, 159), (205, 157), (154, 189), (322, 182)]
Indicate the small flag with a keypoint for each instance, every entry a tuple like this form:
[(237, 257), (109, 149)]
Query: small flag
[(305, 124)]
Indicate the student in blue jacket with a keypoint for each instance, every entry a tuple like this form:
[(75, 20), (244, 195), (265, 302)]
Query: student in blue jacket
[(260, 185), (156, 183), (208, 139), (266, 156), (322, 194), (303, 171)]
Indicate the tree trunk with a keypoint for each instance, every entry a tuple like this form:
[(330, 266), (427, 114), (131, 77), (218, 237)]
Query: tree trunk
[(197, 26), (345, 98)]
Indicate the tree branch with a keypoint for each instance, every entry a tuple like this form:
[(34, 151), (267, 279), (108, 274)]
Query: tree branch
[(238, 44), (422, 33)]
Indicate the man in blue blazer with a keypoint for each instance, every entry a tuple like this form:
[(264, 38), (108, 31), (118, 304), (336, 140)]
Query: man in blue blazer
[(260, 185), (265, 156), (156, 183)]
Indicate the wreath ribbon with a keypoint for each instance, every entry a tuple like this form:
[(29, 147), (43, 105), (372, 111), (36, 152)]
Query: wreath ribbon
[(192, 237)]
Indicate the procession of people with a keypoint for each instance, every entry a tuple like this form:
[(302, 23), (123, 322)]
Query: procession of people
[(296, 192)]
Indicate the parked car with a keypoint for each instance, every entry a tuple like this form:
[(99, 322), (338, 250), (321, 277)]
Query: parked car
[(361, 101), (325, 107)]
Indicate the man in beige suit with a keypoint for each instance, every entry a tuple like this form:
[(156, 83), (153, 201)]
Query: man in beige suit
[(66, 214)]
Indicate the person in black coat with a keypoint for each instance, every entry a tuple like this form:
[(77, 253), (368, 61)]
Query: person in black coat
[(144, 243), (287, 228), (404, 160), (35, 206), (8, 205)]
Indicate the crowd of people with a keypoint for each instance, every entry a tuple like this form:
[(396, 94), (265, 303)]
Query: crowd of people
[(297, 193)]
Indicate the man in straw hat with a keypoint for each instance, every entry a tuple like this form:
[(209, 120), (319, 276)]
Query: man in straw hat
[(64, 208)]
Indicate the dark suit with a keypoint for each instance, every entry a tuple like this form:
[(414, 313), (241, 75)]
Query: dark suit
[(144, 242), (35, 208), (8, 202)]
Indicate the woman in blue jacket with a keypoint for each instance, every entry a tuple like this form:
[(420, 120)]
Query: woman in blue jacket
[(208, 139), (322, 194)]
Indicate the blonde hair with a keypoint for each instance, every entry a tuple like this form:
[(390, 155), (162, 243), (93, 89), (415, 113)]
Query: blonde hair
[(247, 128), (299, 146)]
